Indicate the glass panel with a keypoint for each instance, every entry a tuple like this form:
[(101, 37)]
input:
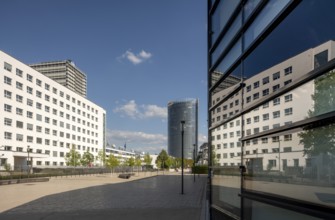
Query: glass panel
[(226, 189), (219, 19), (262, 211), (249, 7), (271, 10), (227, 38), (231, 57)]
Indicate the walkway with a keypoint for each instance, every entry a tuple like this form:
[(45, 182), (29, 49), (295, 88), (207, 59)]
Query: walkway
[(106, 197)]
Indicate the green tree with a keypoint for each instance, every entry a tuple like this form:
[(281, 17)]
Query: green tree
[(72, 158), (102, 157), (214, 159), (147, 159), (162, 159), (87, 159), (112, 162), (138, 163), (321, 140)]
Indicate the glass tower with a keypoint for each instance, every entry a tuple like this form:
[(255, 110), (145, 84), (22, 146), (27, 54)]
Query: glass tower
[(184, 110)]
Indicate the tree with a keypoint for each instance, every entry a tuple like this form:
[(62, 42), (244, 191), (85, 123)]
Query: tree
[(214, 159), (72, 158), (162, 159), (102, 157), (87, 159), (138, 163), (147, 159), (112, 162), (321, 140)]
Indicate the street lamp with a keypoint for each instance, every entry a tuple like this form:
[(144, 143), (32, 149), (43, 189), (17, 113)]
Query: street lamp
[(182, 156), (194, 163), (28, 150)]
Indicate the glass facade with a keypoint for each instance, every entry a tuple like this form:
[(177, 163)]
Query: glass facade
[(186, 110), (271, 109)]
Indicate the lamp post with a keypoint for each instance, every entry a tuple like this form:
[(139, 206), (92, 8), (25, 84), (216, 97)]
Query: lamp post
[(28, 159), (279, 154), (182, 156), (194, 163)]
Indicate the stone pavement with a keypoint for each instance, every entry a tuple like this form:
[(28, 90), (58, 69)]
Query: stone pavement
[(106, 197)]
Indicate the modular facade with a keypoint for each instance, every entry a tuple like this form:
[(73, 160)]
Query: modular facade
[(187, 111), (42, 120), (271, 109)]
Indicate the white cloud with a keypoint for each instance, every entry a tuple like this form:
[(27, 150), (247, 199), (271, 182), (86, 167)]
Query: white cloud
[(134, 111), (136, 58), (137, 140)]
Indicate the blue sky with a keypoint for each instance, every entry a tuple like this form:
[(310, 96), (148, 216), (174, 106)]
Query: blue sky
[(138, 55)]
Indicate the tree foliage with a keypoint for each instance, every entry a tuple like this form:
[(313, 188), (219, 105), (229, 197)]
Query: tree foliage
[(321, 139), (112, 162), (101, 157), (87, 159), (162, 159), (147, 159), (72, 158)]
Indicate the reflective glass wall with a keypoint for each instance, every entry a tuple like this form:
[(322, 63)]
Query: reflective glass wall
[(271, 87)]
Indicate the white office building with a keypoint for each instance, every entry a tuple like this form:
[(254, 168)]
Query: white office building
[(273, 152), (39, 114)]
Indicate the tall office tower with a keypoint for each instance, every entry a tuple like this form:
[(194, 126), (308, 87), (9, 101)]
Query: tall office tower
[(65, 73), (187, 111), (41, 120), (271, 129)]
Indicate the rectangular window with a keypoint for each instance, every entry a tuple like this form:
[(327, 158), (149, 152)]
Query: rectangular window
[(276, 76), (8, 108), (19, 137), (266, 80), (38, 105), (288, 111), (29, 90), (47, 86), (264, 140), (287, 149), (256, 119), (8, 136), (8, 94), (29, 114), (7, 67), (256, 85), (248, 99), (288, 137), (38, 94), (30, 127), (266, 92), (19, 72), (47, 98), (276, 114), (248, 88), (276, 101), (19, 111), (288, 70), (38, 82), (30, 102), (276, 87), (39, 129), (29, 77), (266, 117), (19, 85), (38, 117), (7, 80), (256, 96), (288, 98), (287, 82), (8, 121), (19, 124)]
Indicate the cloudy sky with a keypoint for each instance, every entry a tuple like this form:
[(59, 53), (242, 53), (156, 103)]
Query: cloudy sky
[(138, 55)]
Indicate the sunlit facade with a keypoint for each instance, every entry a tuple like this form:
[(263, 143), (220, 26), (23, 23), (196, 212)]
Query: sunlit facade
[(271, 109), (187, 111), (41, 120)]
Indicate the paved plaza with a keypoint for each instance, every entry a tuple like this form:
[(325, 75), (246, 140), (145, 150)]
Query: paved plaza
[(144, 196)]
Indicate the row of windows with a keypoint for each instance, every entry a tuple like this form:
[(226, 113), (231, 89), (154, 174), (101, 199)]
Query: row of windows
[(30, 139), (266, 80), (47, 152), (47, 87), (276, 101)]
